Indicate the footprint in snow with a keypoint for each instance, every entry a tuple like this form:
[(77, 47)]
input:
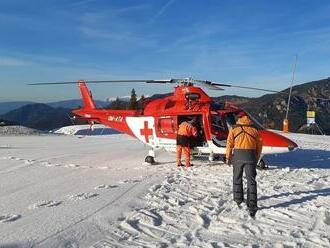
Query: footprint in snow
[(83, 196), (9, 218), (72, 166), (48, 164), (14, 158), (131, 181), (48, 204), (5, 158), (28, 161), (155, 187), (5, 147), (104, 168), (106, 186)]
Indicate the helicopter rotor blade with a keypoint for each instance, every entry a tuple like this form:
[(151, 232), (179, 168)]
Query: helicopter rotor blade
[(249, 88), (237, 86), (54, 83), (208, 84), (161, 81)]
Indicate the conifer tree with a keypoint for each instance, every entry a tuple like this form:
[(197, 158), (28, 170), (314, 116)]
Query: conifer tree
[(141, 101), (133, 100)]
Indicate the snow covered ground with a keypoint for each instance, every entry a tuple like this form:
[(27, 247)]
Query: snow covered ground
[(62, 191)]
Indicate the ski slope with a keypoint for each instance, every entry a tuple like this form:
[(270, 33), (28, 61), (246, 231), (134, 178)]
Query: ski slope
[(95, 191)]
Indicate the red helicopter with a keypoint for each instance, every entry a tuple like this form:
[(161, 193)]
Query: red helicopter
[(156, 124)]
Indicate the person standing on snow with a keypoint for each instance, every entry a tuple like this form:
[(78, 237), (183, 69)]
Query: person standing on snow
[(243, 150), (186, 132)]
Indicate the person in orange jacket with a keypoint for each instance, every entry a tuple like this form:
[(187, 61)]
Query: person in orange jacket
[(243, 150), (186, 132)]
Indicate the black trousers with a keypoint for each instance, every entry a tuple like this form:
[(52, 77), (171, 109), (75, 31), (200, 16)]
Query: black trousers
[(250, 173)]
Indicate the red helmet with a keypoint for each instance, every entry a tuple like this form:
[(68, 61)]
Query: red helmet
[(241, 114)]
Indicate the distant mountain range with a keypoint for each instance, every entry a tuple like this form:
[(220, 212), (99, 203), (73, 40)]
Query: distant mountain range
[(8, 106), (5, 107), (39, 116), (269, 109)]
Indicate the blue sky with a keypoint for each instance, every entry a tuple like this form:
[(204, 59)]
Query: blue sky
[(251, 43)]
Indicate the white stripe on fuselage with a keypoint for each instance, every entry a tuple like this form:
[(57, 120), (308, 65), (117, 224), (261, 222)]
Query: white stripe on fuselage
[(143, 128)]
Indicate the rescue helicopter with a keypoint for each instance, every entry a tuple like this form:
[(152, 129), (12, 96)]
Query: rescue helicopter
[(157, 122)]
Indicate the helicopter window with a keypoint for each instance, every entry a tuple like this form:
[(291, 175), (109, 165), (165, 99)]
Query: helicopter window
[(166, 125), (217, 123), (217, 105), (192, 96), (231, 119)]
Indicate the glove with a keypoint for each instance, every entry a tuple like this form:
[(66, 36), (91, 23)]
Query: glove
[(228, 162)]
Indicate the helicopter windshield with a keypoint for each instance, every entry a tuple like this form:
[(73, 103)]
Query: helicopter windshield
[(218, 124), (221, 124), (219, 129), (231, 119)]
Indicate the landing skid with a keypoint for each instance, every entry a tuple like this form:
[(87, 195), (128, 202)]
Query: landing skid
[(150, 159), (262, 165)]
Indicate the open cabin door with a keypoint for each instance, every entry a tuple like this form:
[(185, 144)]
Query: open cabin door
[(200, 141)]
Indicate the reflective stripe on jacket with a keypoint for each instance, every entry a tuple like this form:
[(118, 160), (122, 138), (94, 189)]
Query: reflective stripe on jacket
[(244, 136)]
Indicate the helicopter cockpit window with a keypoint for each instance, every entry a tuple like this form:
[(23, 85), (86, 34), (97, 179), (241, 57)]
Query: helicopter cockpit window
[(219, 130), (217, 123), (192, 96), (231, 119)]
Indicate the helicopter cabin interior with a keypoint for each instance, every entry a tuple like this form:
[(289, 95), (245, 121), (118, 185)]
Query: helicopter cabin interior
[(200, 140)]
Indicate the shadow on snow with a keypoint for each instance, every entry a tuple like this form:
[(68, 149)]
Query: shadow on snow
[(308, 195), (302, 158)]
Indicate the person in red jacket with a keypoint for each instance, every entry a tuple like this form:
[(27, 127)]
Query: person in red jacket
[(186, 132), (244, 147)]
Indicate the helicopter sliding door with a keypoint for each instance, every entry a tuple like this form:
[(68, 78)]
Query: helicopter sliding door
[(166, 127)]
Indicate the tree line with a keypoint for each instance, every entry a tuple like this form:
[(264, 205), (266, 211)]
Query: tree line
[(132, 104)]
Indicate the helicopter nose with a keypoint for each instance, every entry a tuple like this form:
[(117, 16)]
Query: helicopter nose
[(273, 139), (292, 146)]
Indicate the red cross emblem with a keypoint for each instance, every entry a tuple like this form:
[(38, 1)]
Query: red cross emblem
[(146, 131)]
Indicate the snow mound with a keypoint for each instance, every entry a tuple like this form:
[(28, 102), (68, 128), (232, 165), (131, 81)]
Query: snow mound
[(19, 130), (97, 129)]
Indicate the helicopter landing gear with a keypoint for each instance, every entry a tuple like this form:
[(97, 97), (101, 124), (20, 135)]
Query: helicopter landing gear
[(150, 159), (261, 165), (211, 157)]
